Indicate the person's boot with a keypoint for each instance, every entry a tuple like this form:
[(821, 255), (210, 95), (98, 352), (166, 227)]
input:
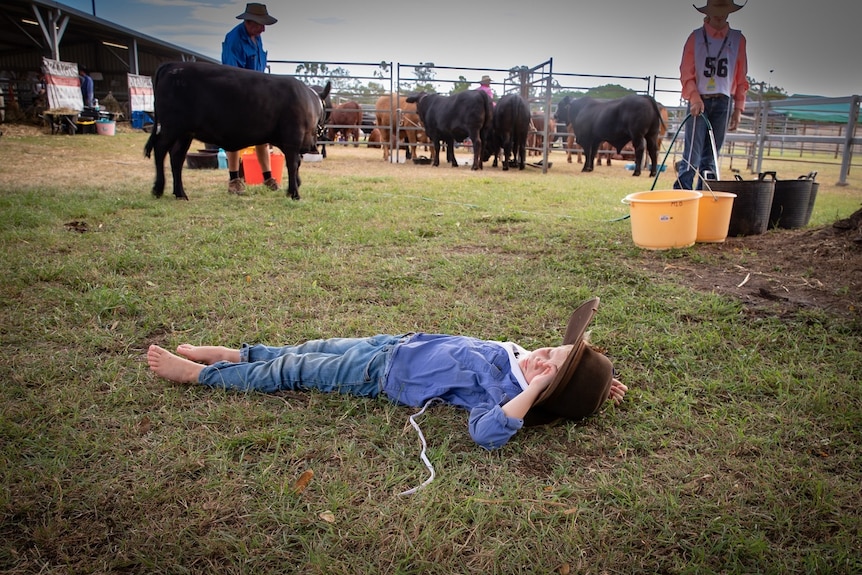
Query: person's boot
[(236, 186)]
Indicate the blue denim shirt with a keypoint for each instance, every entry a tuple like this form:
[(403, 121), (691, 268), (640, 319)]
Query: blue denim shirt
[(87, 89), (463, 371), (239, 50)]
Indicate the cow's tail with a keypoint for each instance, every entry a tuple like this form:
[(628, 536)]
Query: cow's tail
[(489, 110), (657, 113), (489, 114), (151, 142)]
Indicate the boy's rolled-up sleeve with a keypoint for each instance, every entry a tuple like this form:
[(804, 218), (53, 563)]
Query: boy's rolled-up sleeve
[(490, 427)]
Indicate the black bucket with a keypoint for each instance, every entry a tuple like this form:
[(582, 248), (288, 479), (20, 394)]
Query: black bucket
[(750, 213), (790, 203)]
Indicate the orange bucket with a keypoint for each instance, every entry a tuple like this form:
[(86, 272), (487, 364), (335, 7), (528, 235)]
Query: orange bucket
[(713, 216), (663, 219), (251, 167)]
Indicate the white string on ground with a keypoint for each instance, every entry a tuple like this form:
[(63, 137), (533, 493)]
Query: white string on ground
[(422, 455)]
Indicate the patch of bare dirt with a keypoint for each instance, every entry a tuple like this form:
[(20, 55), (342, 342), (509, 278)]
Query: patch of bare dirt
[(780, 272)]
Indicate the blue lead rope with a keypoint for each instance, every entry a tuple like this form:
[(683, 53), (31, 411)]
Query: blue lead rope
[(673, 141)]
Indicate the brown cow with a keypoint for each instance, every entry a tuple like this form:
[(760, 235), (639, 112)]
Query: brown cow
[(536, 137), (374, 138), (345, 118), (387, 107)]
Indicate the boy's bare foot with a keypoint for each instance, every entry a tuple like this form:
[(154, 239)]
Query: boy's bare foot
[(208, 354), (172, 367)]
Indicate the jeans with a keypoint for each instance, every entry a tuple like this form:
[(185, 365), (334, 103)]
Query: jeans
[(697, 153), (355, 366)]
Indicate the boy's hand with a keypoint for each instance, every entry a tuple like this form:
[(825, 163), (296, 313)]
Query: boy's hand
[(541, 382), (521, 404)]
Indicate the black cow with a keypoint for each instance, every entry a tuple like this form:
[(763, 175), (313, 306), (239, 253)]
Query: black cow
[(233, 108), (510, 127), (455, 118), (634, 118)]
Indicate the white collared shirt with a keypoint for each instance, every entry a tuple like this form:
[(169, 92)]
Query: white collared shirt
[(515, 352)]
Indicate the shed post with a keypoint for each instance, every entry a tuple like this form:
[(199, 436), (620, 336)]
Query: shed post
[(849, 133)]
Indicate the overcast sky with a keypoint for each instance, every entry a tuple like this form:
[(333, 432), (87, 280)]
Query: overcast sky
[(805, 48)]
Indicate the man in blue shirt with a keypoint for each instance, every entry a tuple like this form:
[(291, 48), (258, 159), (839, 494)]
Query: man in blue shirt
[(243, 48), (86, 86), (503, 386)]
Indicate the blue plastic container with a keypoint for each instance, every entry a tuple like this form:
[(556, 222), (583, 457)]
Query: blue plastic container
[(140, 119)]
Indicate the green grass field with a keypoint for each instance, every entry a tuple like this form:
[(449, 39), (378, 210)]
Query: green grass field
[(737, 449)]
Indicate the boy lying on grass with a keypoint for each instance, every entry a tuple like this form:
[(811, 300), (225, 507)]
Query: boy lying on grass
[(503, 386)]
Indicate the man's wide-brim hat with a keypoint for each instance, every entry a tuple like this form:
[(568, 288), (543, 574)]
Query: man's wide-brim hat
[(723, 7), (485, 80), (583, 380), (257, 13)]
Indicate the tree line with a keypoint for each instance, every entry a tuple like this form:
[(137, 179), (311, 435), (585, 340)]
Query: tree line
[(425, 81)]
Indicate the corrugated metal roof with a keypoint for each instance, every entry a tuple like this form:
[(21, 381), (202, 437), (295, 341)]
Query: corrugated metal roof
[(22, 44)]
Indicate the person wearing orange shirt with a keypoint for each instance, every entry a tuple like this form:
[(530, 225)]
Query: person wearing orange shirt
[(714, 81)]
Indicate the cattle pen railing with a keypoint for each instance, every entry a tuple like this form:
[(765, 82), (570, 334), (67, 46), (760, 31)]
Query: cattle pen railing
[(533, 83), (543, 87), (763, 137), (762, 131)]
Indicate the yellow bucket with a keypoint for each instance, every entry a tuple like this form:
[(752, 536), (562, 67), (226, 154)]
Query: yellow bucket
[(663, 219), (713, 216)]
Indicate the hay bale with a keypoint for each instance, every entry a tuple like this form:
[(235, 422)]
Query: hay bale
[(110, 104)]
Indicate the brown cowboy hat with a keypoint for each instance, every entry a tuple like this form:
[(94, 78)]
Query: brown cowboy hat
[(257, 13), (485, 80), (583, 380), (723, 7)]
